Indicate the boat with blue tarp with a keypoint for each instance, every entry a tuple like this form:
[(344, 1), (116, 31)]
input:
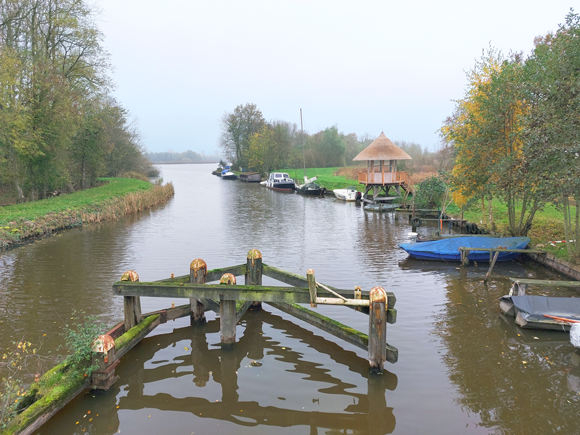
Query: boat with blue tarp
[(448, 249)]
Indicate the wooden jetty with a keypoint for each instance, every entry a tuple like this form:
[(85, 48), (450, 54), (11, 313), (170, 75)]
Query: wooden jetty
[(493, 254), (231, 301), (379, 179)]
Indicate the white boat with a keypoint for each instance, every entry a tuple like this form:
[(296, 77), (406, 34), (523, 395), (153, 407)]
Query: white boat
[(280, 181), (228, 175), (348, 194)]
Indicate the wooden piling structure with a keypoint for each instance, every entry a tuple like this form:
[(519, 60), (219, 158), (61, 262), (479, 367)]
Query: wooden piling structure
[(253, 274), (228, 317), (131, 304), (223, 298), (197, 273), (377, 329)]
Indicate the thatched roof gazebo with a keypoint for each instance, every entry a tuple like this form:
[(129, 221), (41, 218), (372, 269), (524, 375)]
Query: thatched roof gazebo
[(383, 175)]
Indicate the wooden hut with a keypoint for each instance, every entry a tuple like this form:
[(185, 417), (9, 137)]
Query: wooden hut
[(381, 174)]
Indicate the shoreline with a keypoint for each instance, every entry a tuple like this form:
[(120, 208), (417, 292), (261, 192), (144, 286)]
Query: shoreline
[(36, 224)]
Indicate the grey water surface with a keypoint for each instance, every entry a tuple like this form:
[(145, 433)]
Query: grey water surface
[(462, 369)]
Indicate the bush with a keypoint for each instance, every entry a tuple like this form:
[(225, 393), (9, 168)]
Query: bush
[(430, 193), (79, 339), (16, 363)]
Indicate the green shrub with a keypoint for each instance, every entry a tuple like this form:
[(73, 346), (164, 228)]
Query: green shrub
[(430, 193)]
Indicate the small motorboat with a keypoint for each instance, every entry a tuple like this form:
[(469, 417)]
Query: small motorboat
[(448, 249), (310, 187), (280, 181), (348, 194), (228, 175)]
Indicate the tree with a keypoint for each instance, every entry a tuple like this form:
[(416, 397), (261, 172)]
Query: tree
[(237, 129), (271, 147), (486, 130), (553, 122)]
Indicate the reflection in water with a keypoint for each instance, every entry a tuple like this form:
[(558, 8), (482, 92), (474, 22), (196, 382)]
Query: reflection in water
[(513, 378), (461, 366), (242, 387)]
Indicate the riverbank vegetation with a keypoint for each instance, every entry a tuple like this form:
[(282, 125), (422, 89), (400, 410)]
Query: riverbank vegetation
[(514, 136), (510, 156), (116, 197), (60, 127), (250, 142)]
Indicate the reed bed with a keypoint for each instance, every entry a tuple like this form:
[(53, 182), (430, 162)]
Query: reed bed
[(23, 229)]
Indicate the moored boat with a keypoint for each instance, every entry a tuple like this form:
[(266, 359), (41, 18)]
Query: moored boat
[(348, 194), (228, 175), (310, 187), (381, 207), (448, 249), (280, 181), (541, 312)]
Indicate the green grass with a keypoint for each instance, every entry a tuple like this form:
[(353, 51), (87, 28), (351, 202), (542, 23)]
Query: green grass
[(548, 224), (84, 199), (325, 178)]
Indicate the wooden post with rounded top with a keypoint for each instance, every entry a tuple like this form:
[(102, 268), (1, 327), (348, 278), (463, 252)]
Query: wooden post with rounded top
[(254, 273), (131, 304), (197, 273), (377, 329), (227, 315)]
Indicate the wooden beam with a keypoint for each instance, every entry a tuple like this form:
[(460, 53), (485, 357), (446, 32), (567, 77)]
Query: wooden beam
[(216, 274), (488, 274), (546, 283), (300, 281), (522, 251)]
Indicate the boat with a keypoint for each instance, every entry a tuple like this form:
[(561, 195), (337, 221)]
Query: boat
[(310, 187), (381, 207), (228, 175), (348, 194), (541, 312), (448, 249), (280, 181)]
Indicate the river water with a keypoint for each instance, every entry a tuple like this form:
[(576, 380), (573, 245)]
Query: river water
[(462, 369)]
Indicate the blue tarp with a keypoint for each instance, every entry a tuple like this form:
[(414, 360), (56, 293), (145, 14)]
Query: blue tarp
[(448, 249)]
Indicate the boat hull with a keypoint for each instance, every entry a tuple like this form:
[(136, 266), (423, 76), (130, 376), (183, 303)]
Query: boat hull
[(448, 249), (282, 188), (529, 311)]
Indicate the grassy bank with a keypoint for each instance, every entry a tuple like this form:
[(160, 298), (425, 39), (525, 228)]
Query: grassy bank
[(327, 177), (548, 225), (116, 198)]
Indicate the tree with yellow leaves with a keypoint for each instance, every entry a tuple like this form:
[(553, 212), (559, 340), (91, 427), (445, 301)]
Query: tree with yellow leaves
[(486, 131)]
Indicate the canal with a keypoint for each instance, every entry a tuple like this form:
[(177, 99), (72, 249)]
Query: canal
[(462, 369)]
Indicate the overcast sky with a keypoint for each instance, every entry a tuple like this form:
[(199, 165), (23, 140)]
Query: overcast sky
[(364, 66)]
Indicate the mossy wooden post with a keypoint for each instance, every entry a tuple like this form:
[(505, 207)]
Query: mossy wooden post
[(311, 286), (227, 315), (131, 304), (197, 273), (377, 329), (254, 273)]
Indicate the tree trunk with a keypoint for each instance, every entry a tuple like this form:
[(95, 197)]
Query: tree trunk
[(83, 175)]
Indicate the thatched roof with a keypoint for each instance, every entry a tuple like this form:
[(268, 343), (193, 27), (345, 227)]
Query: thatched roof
[(383, 148)]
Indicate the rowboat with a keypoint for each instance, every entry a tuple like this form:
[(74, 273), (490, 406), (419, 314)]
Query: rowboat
[(448, 249), (541, 312)]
